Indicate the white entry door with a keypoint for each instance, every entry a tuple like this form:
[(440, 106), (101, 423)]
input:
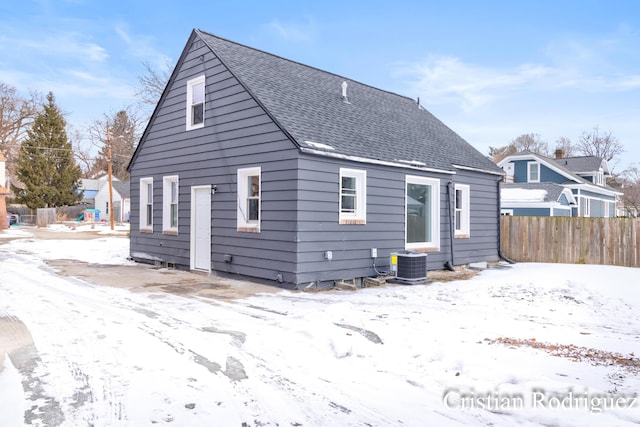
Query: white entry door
[(201, 227)]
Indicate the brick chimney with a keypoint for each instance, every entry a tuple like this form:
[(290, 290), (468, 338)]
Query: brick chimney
[(559, 153)]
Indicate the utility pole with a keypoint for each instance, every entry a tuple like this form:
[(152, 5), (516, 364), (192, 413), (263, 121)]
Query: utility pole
[(109, 172)]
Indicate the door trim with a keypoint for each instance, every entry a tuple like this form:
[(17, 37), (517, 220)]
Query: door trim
[(192, 242)]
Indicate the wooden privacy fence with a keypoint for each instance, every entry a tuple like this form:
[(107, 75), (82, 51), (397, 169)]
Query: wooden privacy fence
[(611, 241)]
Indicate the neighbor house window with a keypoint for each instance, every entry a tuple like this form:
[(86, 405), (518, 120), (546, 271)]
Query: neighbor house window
[(353, 196), (195, 103), (146, 205), (534, 172), (462, 210), (249, 204), (422, 212), (170, 204), (585, 206)]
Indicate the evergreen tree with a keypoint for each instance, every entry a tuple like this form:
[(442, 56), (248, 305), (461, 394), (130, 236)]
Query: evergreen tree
[(46, 167)]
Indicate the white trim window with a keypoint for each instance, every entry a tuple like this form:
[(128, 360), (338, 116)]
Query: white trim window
[(170, 198), (533, 170), (146, 205), (353, 196), (195, 103), (422, 213), (585, 206), (462, 210), (249, 199)]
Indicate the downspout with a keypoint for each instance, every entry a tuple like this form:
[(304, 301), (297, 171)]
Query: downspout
[(449, 264), (501, 255)]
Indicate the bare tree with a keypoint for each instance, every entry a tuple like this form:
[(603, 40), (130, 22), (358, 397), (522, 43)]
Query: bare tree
[(16, 115), (599, 144), (499, 153), (152, 83), (83, 151), (631, 191), (125, 128), (531, 142), (525, 142), (568, 148)]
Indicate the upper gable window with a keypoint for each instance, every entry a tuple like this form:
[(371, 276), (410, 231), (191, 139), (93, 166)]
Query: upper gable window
[(195, 103), (600, 178), (353, 196), (249, 192), (462, 210), (534, 172)]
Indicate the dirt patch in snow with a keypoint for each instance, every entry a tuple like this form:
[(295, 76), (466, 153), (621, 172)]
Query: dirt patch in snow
[(147, 278), (449, 276), (576, 353)]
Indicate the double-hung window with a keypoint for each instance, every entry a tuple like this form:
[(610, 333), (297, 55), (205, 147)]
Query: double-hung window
[(462, 210), (170, 193), (195, 103), (249, 203), (534, 172), (585, 206), (422, 213), (353, 196), (146, 205)]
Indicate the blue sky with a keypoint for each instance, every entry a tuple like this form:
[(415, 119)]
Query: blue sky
[(491, 70)]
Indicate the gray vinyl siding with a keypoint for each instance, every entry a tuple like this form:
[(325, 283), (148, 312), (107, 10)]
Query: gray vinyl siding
[(562, 212), (319, 229), (595, 195), (482, 244), (597, 209), (237, 134), (530, 211)]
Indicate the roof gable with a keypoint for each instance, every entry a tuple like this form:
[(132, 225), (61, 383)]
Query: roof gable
[(374, 124)]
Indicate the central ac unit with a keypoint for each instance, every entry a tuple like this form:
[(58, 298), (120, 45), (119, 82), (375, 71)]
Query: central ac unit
[(409, 267)]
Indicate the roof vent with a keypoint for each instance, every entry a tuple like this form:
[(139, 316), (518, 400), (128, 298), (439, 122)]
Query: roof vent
[(345, 99)]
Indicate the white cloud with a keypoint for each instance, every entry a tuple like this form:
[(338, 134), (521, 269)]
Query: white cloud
[(60, 46), (141, 47), (449, 80), (293, 31)]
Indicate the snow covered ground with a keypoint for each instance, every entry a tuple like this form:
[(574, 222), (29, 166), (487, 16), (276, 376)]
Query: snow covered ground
[(536, 344)]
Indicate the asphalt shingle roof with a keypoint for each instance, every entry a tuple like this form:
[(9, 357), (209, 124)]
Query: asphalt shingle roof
[(122, 187), (553, 190), (580, 164), (375, 124)]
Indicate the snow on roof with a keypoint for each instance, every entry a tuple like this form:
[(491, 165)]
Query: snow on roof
[(522, 195)]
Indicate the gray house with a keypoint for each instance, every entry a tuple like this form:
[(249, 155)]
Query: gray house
[(259, 166)]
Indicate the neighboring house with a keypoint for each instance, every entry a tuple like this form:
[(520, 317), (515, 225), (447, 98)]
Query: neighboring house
[(259, 166), (562, 186), (121, 200), (89, 188), (537, 199)]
